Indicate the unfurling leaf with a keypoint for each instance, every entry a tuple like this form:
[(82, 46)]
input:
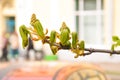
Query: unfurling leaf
[(115, 38), (53, 36), (74, 40), (54, 49), (24, 35)]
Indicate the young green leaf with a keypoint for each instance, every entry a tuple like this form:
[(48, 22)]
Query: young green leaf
[(118, 43), (113, 47), (81, 45), (115, 38)]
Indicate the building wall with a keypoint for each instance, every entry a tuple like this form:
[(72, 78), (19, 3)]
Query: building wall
[(108, 21), (116, 18), (53, 12), (7, 9)]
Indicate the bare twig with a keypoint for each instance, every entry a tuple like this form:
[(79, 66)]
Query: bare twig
[(92, 50)]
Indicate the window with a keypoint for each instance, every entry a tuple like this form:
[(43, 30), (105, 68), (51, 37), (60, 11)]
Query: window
[(89, 4), (10, 23), (89, 20)]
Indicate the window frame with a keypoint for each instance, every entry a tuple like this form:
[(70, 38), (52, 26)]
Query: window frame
[(98, 13)]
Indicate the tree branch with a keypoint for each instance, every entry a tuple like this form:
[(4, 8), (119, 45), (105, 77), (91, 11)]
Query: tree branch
[(92, 50), (89, 50)]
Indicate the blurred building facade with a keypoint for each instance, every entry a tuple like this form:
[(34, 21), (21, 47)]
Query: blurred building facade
[(94, 20)]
